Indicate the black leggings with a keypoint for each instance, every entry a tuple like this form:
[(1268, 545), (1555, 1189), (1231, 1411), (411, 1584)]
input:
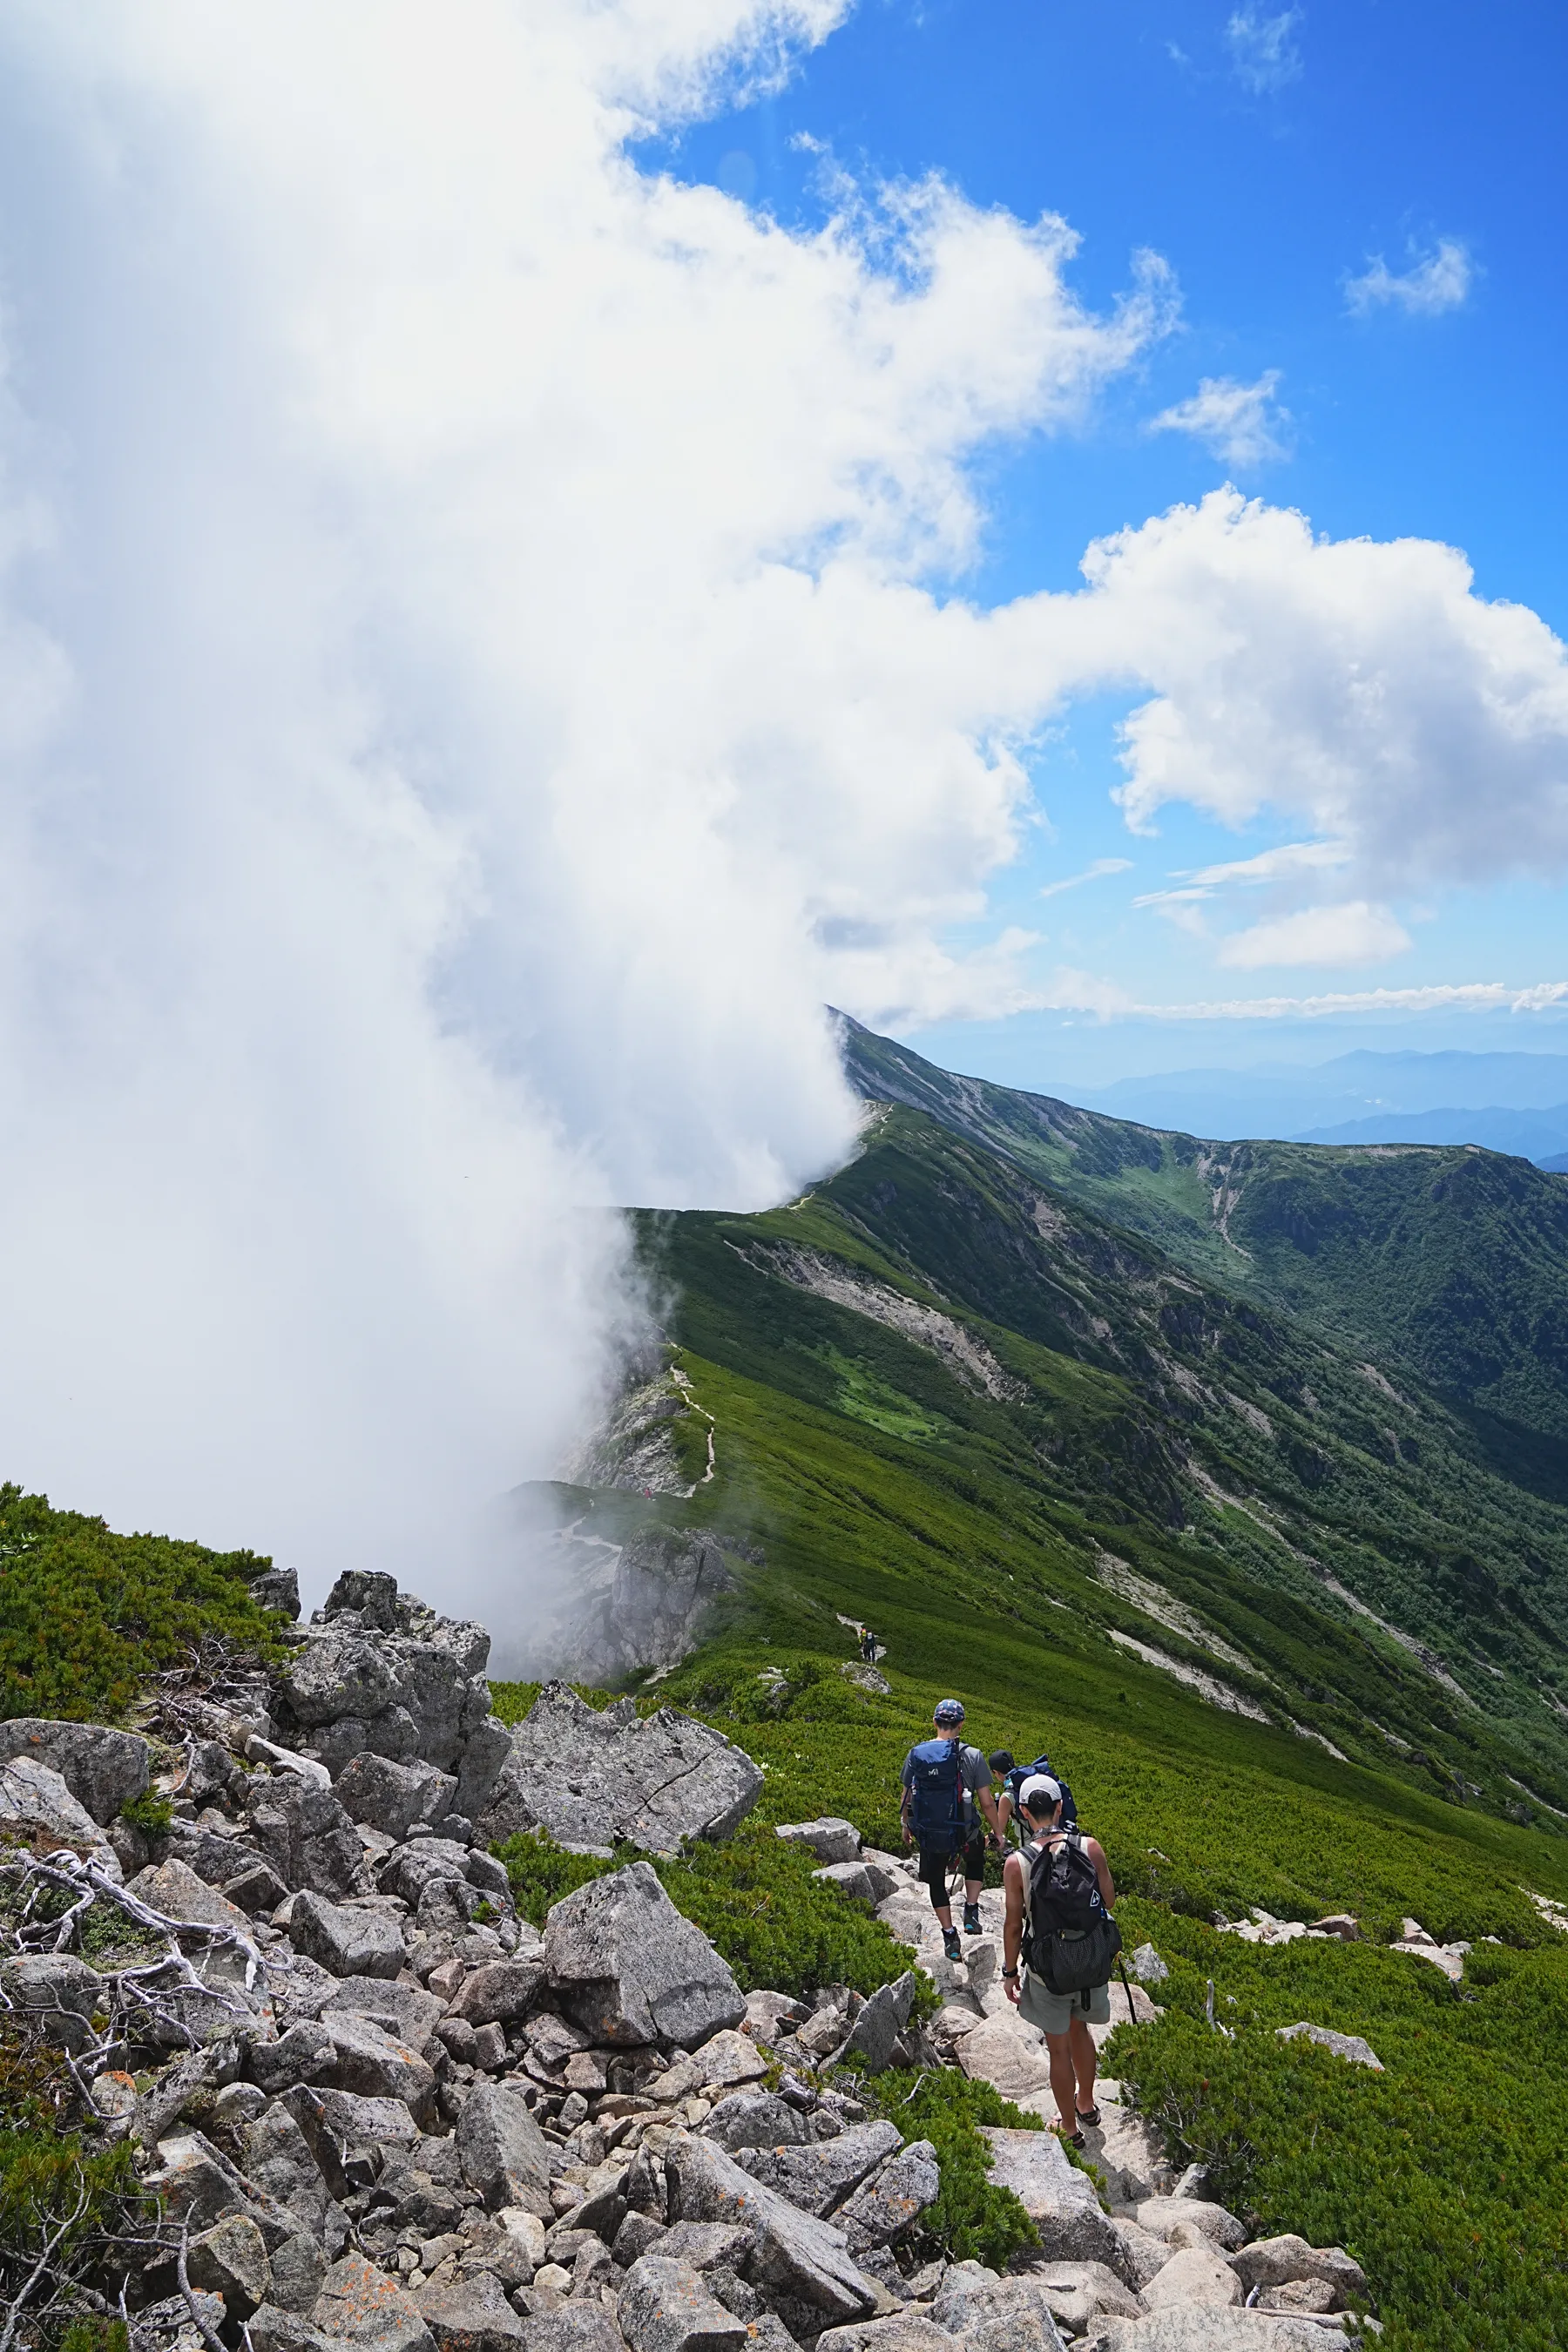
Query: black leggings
[(934, 1868)]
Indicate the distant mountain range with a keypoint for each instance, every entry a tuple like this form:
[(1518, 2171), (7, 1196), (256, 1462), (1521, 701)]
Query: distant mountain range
[(1512, 1103)]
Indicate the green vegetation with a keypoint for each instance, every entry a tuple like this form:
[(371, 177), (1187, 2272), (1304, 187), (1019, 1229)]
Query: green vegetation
[(151, 1815), (1446, 2174), (57, 2185), (87, 1615), (973, 2220)]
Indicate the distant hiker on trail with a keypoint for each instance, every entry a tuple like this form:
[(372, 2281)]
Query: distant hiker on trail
[(1059, 1897), (1010, 1777), (868, 1644), (945, 1779)]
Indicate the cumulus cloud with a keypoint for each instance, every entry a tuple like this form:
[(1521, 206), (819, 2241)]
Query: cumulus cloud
[(1350, 933), (1434, 282), (1263, 51), (1242, 423), (1361, 687)]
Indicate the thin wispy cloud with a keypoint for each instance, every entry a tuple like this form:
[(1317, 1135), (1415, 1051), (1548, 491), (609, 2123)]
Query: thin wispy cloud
[(1242, 423), (1263, 52), (1285, 862), (1434, 282), (1090, 874)]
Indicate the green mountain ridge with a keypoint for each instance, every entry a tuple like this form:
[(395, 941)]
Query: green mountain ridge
[(1451, 1261)]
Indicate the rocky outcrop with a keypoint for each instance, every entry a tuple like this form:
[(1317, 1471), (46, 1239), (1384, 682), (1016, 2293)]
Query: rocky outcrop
[(591, 1779), (631, 1969)]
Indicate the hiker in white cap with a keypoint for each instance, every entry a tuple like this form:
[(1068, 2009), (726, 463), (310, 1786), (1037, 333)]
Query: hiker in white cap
[(1058, 1931)]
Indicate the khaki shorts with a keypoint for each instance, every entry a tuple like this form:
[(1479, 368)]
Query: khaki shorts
[(1053, 2013)]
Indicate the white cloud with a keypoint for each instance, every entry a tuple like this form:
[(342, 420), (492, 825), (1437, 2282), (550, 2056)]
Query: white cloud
[(1350, 933), (1289, 862), (1242, 423), (1361, 687), (1101, 866), (1263, 51), (1440, 280), (463, 652)]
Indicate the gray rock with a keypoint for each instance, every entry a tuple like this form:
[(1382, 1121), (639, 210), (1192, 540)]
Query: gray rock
[(273, 2329), (756, 2119), (575, 2327), (1160, 2215), (665, 2307), (1077, 2293), (499, 1992), (103, 1769), (649, 1610), (391, 1796), (408, 1681), (420, 1863), (705, 2245), (585, 1778), (300, 2055), (631, 1969), (818, 2179), (343, 1940), (502, 2151), (34, 1796), (793, 2255), (900, 2331), (882, 2021), (1194, 2274), (1147, 1966), (1060, 2199), (369, 2060), (278, 1588), (55, 1992), (1198, 2327), (851, 1879), (174, 1888), (891, 2200), (356, 2122), (258, 1890), (1350, 2046), (303, 1832), (230, 2260), (362, 2305), (639, 2233), (996, 2315), (829, 1838), (1280, 2262), (275, 2157), (404, 2011), (485, 1752), (472, 2315)]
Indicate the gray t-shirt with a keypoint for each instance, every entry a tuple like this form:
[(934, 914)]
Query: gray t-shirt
[(974, 1772)]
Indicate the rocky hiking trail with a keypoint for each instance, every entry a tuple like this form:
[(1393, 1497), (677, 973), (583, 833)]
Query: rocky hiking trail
[(376, 2107)]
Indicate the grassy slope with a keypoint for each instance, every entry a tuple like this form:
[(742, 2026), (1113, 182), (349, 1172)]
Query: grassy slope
[(1455, 1261), (965, 1527)]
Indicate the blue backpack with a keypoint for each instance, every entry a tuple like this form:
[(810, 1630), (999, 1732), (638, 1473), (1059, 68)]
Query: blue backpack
[(936, 1795), (1021, 1772)]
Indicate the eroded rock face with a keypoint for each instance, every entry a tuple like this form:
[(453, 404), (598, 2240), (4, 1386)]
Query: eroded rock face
[(102, 1768), (380, 1673), (630, 1968), (590, 1779)]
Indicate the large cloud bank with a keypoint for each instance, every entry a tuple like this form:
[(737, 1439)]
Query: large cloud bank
[(473, 681)]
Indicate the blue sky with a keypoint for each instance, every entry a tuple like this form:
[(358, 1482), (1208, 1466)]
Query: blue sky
[(1274, 158)]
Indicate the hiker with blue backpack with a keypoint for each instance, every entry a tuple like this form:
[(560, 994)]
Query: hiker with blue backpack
[(947, 1810), (1010, 1777), (1058, 1941)]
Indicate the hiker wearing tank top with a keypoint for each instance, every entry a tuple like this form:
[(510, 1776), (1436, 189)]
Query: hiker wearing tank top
[(1063, 2018)]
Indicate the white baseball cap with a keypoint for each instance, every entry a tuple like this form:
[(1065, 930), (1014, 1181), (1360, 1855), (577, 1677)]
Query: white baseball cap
[(1038, 1785)]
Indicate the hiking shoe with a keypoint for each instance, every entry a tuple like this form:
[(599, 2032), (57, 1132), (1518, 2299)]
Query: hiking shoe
[(971, 1918), (950, 1945)]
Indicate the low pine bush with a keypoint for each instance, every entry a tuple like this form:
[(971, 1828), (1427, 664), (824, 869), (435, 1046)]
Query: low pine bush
[(973, 2219)]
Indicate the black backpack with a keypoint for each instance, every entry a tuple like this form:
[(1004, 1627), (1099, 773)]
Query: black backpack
[(1070, 1939)]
